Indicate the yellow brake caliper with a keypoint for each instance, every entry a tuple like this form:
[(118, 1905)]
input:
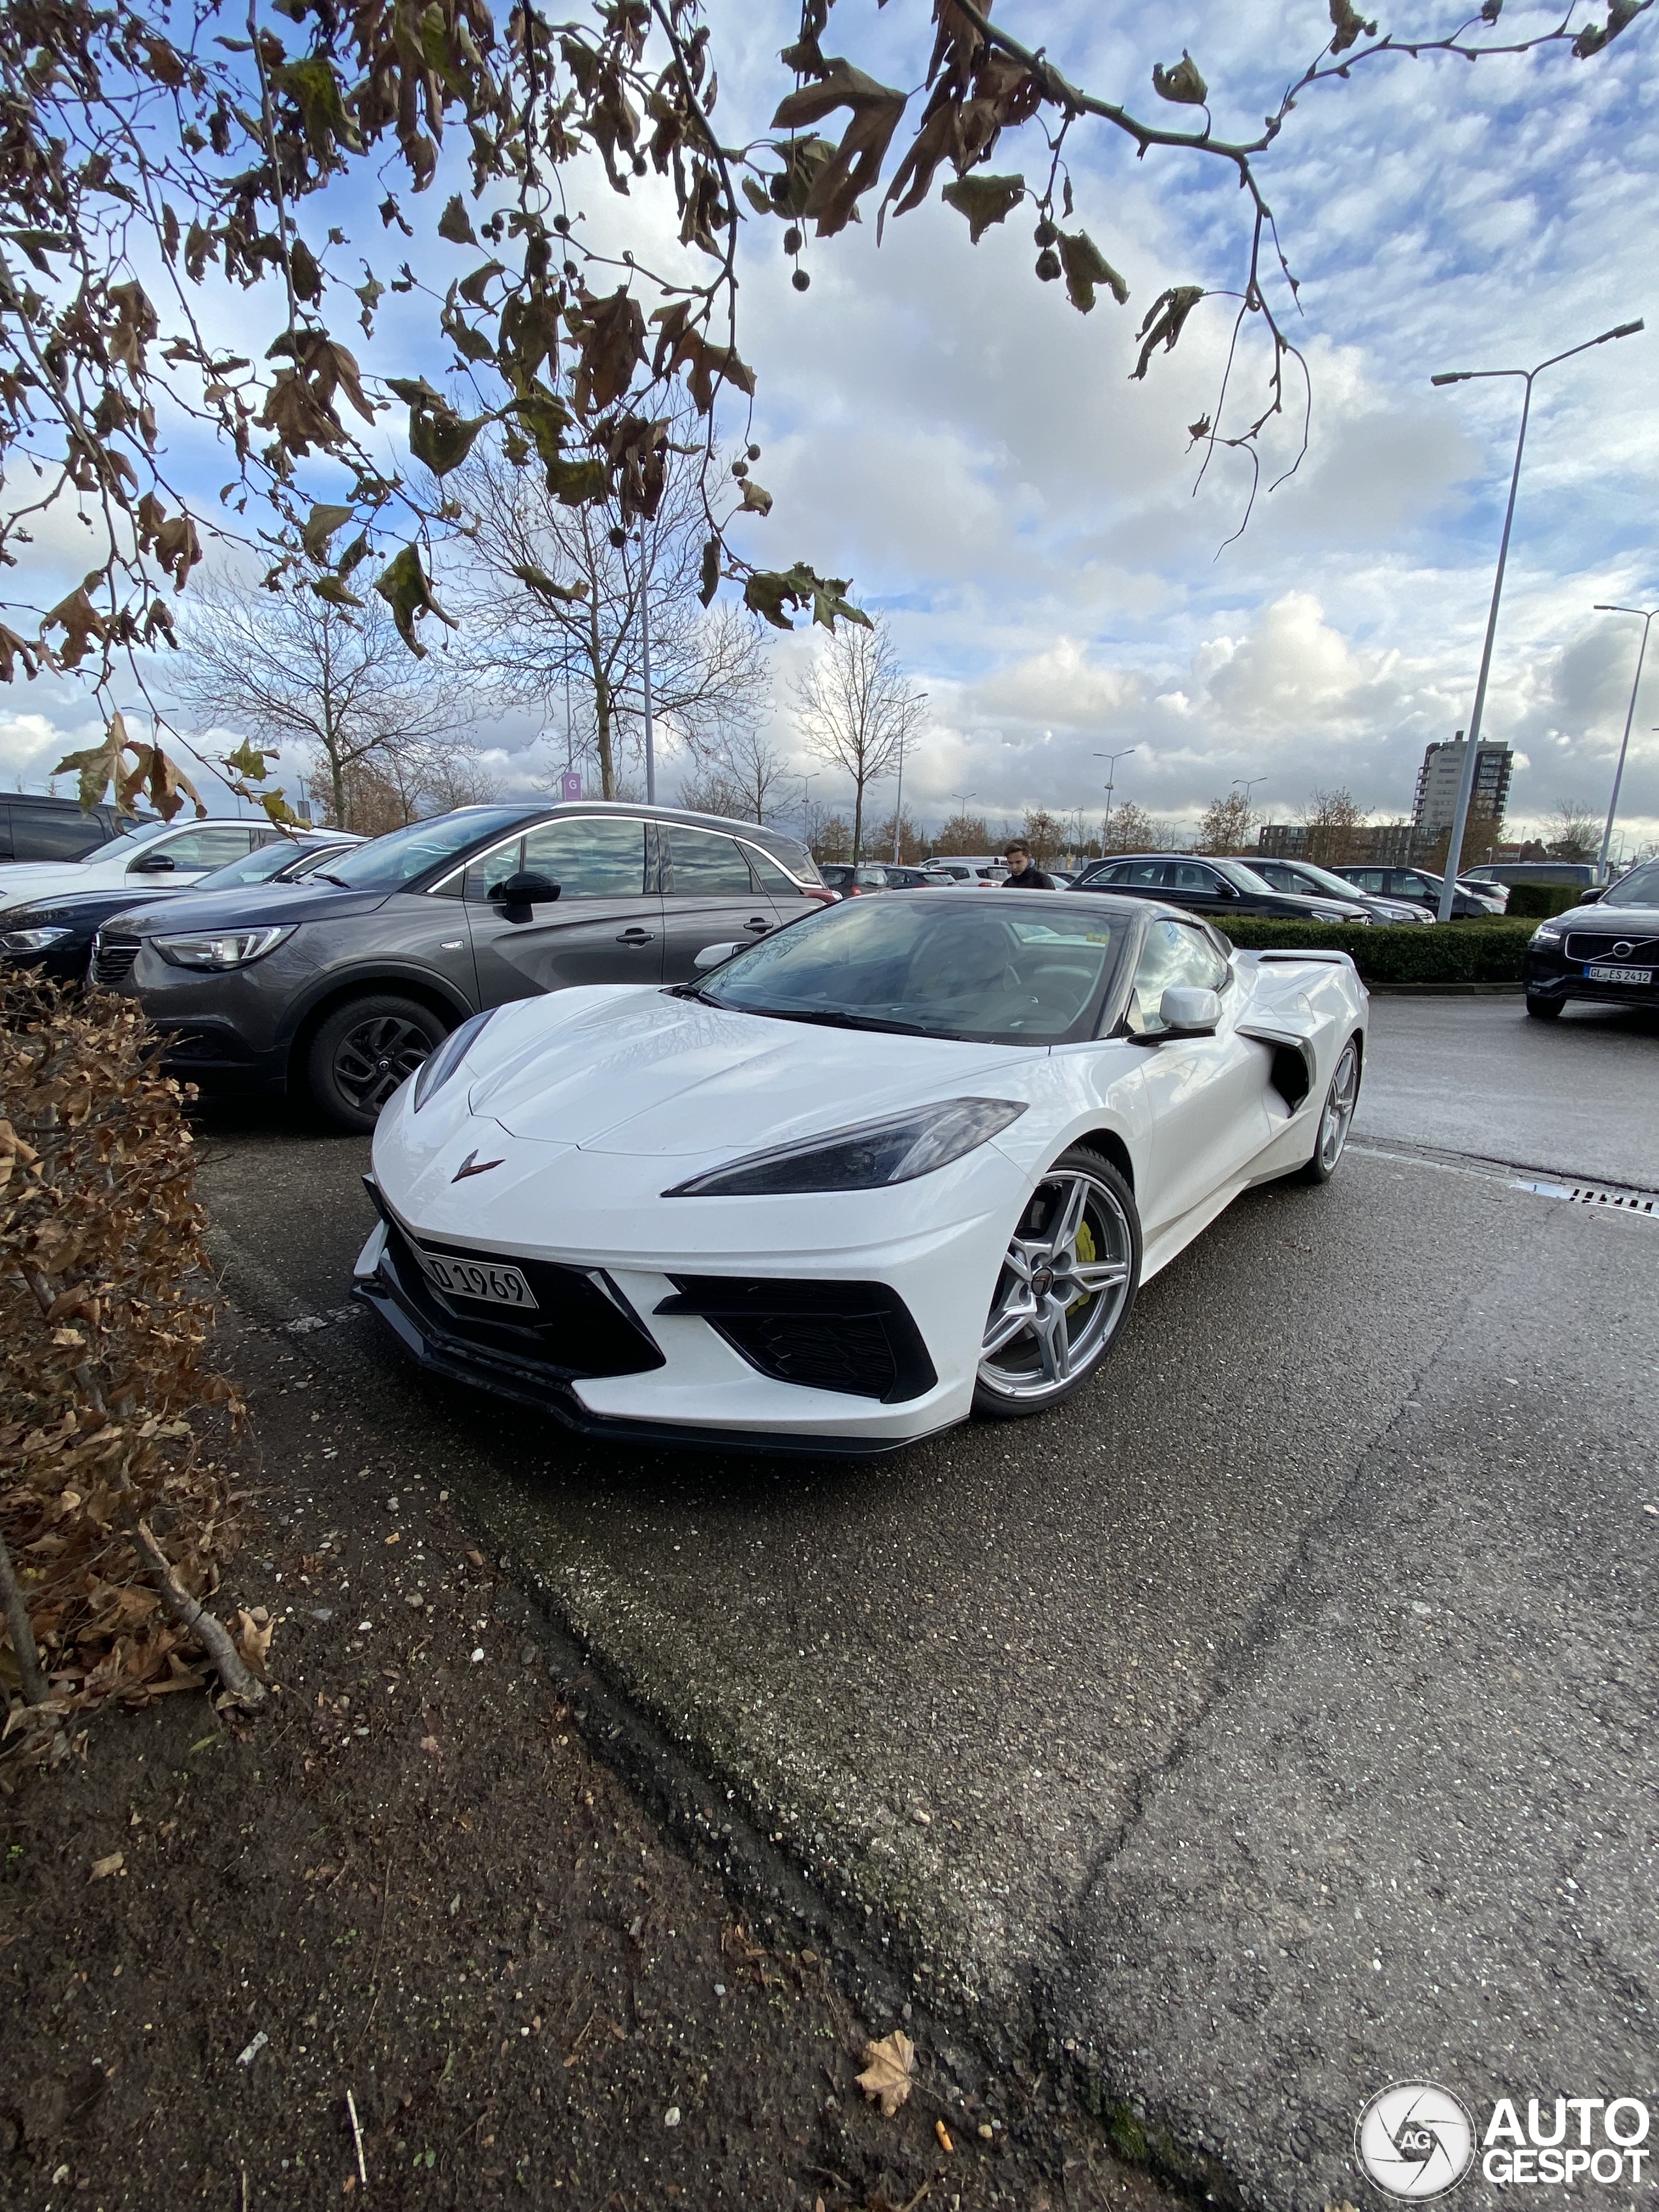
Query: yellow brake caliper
[(1086, 1256)]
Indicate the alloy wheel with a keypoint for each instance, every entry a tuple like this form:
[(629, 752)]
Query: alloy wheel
[(1340, 1103), (1066, 1280), (373, 1059)]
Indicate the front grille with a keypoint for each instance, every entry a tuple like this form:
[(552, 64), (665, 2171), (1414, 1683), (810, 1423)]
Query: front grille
[(580, 1329), (1642, 952), (857, 1339), (112, 957)]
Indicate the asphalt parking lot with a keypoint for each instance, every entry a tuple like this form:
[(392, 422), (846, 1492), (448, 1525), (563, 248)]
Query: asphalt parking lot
[(1271, 1723)]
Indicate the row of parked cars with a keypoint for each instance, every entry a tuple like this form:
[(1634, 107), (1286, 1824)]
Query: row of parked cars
[(322, 965)]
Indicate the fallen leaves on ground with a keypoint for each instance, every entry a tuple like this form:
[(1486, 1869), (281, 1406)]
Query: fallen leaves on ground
[(890, 2068), (102, 1869)]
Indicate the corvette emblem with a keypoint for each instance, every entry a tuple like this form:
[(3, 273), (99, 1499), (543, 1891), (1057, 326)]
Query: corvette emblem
[(472, 1165)]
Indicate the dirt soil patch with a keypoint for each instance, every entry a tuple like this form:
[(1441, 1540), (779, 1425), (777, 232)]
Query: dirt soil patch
[(410, 1892)]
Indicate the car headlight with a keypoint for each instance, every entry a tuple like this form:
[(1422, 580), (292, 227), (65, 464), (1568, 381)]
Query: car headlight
[(438, 1067), (1546, 933), (232, 948), (1334, 914), (870, 1154), (32, 940)]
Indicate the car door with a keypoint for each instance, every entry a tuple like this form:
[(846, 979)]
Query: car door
[(604, 926), (710, 898), (182, 857), (1205, 1097), (1407, 883)]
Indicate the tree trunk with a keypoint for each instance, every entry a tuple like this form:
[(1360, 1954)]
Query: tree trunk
[(601, 738), (858, 820), (336, 780)]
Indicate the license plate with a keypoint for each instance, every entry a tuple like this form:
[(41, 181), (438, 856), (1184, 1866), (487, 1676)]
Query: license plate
[(1618, 974), (486, 1279)]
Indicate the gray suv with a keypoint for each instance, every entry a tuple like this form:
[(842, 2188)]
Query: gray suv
[(339, 988)]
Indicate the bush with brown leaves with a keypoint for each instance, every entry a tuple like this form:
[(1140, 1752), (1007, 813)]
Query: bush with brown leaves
[(113, 1527)]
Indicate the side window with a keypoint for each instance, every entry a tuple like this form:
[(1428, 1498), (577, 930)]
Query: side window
[(1412, 885), (490, 869), (1174, 956), (210, 847), (1149, 875), (589, 857), (1366, 879), (770, 876), (54, 832), (1188, 876), (704, 866)]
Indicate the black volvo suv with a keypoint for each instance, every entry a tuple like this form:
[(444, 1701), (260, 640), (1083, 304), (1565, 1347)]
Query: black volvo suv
[(339, 988), (1606, 949)]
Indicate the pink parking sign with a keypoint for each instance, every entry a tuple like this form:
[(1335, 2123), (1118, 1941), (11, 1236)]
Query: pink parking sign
[(572, 781)]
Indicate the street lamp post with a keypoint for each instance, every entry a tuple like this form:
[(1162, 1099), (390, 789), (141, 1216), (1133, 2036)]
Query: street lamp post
[(1466, 783), (1647, 615), (1111, 761)]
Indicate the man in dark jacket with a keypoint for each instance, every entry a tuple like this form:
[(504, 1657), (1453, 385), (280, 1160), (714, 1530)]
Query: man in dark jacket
[(1024, 874)]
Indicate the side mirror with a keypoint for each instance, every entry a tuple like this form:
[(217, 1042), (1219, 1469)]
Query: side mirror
[(151, 864), (519, 894), (1185, 1011), (716, 955), (1591, 897)]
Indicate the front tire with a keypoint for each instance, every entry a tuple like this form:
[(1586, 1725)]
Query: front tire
[(1543, 1010), (1065, 1290), (1336, 1117), (363, 1051)]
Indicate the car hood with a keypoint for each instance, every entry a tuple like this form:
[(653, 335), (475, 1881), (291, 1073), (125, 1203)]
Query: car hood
[(74, 906), (1636, 923), (257, 906), (637, 1070), (34, 879)]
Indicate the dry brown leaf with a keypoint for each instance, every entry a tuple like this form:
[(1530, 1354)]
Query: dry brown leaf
[(103, 1869), (890, 2068), (253, 1636)]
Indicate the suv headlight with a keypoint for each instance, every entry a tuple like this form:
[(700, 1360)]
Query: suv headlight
[(232, 948), (32, 940), (869, 1155), (1334, 913), (1546, 933)]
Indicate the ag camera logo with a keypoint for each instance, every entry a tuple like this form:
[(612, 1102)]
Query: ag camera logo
[(1415, 2140)]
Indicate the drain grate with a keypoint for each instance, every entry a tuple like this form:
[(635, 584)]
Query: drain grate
[(1642, 1202)]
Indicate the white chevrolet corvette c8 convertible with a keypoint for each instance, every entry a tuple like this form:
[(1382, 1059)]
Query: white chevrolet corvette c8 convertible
[(908, 1160)]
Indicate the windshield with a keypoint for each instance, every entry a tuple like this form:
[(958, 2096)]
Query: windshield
[(401, 855), (259, 866), (118, 848), (1639, 888), (1336, 885), (932, 967)]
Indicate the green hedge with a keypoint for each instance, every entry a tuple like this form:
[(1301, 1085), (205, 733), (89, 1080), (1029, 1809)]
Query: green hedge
[(1538, 902), (1402, 953)]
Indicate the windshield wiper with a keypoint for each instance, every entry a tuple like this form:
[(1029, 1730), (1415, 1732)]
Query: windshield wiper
[(322, 876), (829, 1019)]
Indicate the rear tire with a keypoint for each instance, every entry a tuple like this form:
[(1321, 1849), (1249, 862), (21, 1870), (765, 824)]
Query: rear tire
[(1543, 1010), (1065, 1290), (363, 1051), (1336, 1116)]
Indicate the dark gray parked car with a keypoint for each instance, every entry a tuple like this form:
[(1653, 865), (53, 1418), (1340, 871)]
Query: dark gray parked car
[(341, 986)]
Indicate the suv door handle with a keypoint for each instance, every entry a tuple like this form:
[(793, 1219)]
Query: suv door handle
[(637, 937), (758, 925)]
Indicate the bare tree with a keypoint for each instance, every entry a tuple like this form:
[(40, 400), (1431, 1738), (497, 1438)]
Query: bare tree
[(963, 833), (1044, 834), (899, 838), (1226, 825), (285, 668), (738, 764), (1571, 833), (829, 838), (1335, 821), (556, 594), (857, 709)]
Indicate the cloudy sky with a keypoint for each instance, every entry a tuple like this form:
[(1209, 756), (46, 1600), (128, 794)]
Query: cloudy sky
[(952, 435)]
